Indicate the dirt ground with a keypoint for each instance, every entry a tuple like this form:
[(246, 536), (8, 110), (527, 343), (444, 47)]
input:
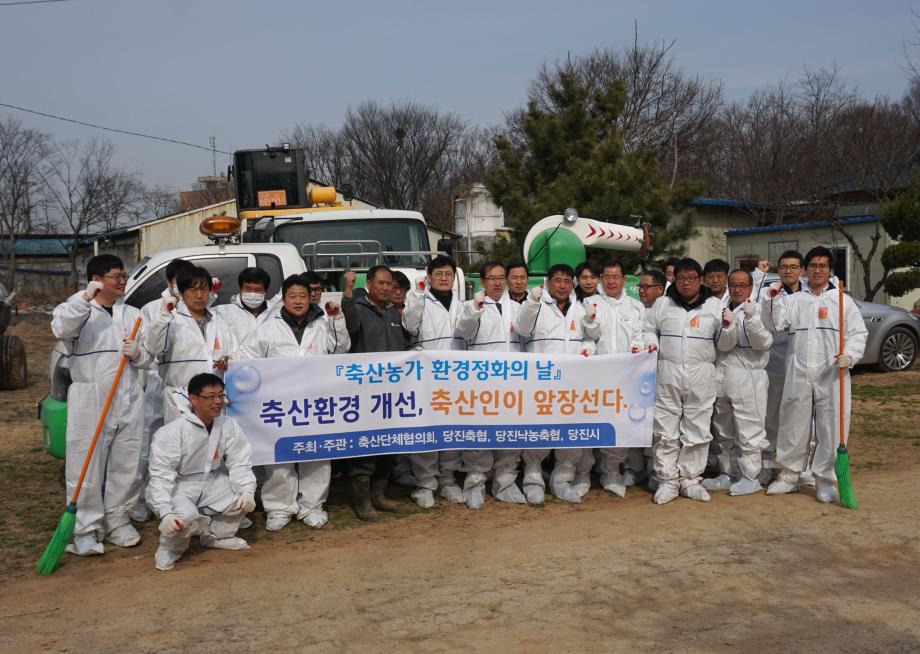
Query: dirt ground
[(736, 575)]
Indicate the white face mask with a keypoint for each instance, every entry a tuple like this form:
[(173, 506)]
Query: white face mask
[(252, 300)]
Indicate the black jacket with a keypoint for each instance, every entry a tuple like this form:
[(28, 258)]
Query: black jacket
[(372, 329)]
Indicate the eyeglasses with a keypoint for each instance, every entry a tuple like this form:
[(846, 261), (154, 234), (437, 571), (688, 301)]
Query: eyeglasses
[(210, 398), (612, 278), (737, 286), (789, 267), (123, 277), (645, 287), (689, 279), (315, 290), (499, 278), (818, 266), (446, 274)]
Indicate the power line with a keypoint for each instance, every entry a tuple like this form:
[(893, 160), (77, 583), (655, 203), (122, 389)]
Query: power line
[(29, 2), (108, 129)]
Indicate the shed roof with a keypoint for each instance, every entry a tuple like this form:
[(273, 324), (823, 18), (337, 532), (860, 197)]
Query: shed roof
[(869, 218)]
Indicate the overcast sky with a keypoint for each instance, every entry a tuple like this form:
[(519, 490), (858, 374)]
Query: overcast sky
[(245, 71)]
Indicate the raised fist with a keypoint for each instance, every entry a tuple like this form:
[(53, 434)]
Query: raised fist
[(775, 288), (749, 308), (479, 300), (536, 293), (168, 302), (349, 277), (92, 290), (333, 309), (590, 311), (763, 265), (727, 317)]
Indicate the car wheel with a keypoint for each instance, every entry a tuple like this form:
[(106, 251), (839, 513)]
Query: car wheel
[(898, 350)]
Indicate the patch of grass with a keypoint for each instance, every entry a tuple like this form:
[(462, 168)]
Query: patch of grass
[(885, 394)]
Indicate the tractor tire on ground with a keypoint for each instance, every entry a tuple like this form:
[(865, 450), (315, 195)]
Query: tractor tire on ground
[(13, 368)]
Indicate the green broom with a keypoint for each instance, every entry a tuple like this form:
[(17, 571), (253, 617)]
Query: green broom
[(64, 532), (842, 464)]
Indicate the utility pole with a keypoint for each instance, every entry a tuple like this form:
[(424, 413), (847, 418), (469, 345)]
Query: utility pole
[(213, 156)]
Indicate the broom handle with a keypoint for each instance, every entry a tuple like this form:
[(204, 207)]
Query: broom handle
[(841, 370), (105, 413)]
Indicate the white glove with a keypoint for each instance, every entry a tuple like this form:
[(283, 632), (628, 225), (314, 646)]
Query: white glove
[(92, 290), (775, 288), (130, 349), (749, 309), (245, 503), (590, 311), (635, 349), (728, 317), (333, 310), (844, 361), (421, 286), (479, 300), (536, 293), (170, 524), (168, 303)]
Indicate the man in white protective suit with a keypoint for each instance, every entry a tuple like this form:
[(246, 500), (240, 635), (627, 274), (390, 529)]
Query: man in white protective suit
[(486, 324), (298, 329), (552, 321), (740, 408), (620, 318), (249, 310), (201, 481), (153, 394), (812, 385), (686, 325), (187, 338), (790, 273), (430, 318), (94, 327)]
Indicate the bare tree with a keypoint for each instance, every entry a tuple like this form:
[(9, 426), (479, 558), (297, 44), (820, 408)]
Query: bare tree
[(665, 111), (404, 156), (159, 201), (85, 193), (22, 151)]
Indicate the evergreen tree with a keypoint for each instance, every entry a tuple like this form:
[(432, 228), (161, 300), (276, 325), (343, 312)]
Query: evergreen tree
[(567, 151), (901, 219)]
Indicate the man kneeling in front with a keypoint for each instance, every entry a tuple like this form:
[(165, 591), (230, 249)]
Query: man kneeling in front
[(201, 480)]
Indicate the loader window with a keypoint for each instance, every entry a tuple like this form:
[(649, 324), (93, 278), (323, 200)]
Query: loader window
[(263, 178), (359, 236)]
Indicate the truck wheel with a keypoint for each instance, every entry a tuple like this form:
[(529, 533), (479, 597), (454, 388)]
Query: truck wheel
[(14, 372), (898, 350)]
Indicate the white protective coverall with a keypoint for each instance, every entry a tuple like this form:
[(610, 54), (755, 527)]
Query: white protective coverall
[(812, 380), (621, 330), (740, 407), (240, 321), (297, 489), (543, 328), (93, 341), (776, 374), (198, 477), (686, 337), (431, 327), (183, 351), (491, 329)]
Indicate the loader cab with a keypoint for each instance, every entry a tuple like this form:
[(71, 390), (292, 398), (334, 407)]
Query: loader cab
[(269, 180)]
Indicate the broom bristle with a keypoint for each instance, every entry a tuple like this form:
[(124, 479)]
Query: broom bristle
[(845, 484), (61, 538)]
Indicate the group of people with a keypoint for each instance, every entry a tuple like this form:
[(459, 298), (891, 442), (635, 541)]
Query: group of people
[(746, 377)]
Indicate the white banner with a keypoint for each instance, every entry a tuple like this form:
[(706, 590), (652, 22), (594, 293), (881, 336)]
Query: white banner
[(349, 405)]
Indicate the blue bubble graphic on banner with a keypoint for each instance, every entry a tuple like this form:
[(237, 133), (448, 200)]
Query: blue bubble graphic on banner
[(636, 413), (648, 385), (244, 380)]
